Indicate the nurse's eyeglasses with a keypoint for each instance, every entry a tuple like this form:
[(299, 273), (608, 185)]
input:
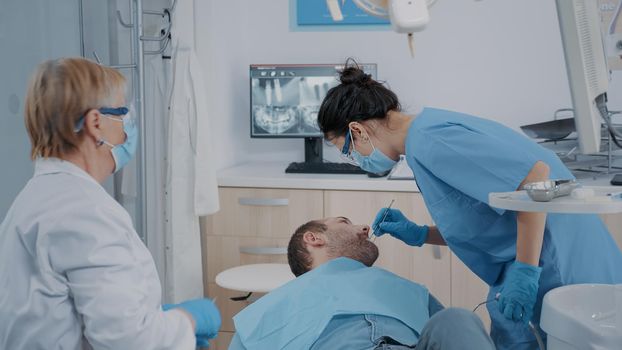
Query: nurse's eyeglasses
[(346, 152), (117, 114)]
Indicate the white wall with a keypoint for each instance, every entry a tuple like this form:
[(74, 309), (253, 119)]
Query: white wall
[(499, 59)]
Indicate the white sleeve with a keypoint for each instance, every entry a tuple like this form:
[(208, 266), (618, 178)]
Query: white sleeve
[(109, 287)]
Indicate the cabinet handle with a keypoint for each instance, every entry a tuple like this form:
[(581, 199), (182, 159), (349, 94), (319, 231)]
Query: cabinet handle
[(264, 202), (436, 252), (264, 250)]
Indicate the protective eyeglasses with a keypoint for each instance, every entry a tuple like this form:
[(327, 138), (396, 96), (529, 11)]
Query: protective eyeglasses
[(346, 150), (116, 113)]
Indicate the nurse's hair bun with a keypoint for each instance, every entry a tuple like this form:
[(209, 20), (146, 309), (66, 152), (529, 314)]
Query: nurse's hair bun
[(353, 74)]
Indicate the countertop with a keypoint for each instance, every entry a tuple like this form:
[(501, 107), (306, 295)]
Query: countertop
[(272, 175)]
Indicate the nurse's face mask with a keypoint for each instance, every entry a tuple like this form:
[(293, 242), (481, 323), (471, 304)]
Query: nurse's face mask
[(376, 162), (121, 153)]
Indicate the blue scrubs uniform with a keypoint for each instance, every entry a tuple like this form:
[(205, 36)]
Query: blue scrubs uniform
[(458, 160)]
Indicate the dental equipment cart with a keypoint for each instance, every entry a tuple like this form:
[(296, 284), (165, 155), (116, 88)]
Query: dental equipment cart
[(581, 316)]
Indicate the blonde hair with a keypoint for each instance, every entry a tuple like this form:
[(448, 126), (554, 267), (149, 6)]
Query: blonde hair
[(60, 92)]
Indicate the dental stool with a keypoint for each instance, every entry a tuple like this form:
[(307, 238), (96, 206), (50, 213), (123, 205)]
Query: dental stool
[(583, 316), (256, 278)]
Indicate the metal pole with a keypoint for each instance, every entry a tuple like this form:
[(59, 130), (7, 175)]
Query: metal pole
[(609, 151), (140, 109), (123, 66), (81, 23)]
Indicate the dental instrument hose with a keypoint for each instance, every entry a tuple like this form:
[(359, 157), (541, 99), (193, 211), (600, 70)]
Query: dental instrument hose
[(411, 45), (532, 327), (601, 104), (536, 334)]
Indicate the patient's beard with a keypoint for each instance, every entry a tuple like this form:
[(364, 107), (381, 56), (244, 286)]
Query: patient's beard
[(341, 245)]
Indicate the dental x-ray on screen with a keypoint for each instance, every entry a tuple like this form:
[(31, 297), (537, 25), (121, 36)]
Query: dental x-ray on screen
[(285, 99)]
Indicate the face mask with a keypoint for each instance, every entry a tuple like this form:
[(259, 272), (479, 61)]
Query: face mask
[(377, 162), (124, 152)]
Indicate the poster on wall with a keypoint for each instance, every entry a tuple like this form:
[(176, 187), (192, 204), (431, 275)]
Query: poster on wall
[(612, 31), (315, 13)]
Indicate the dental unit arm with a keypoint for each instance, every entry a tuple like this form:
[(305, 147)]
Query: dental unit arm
[(406, 16)]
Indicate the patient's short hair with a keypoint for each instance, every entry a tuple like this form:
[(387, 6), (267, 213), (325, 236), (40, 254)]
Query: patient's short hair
[(298, 256)]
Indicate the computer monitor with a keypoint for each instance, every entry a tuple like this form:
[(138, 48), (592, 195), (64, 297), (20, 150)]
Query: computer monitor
[(586, 65), (285, 100)]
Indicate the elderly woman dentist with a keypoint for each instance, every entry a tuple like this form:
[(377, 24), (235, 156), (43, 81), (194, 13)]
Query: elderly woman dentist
[(73, 272)]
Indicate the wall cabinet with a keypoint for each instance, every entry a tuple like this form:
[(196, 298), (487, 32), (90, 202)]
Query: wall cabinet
[(250, 217)]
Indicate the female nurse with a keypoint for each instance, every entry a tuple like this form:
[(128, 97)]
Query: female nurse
[(457, 160), (73, 272)]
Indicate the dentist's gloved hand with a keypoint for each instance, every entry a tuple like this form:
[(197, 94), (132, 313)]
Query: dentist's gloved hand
[(519, 292), (203, 342), (398, 226), (206, 318)]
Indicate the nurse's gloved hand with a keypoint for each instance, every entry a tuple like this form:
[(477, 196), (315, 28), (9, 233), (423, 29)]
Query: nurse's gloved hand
[(398, 226), (519, 292), (206, 317)]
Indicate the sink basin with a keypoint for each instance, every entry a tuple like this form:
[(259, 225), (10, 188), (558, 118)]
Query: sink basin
[(583, 316)]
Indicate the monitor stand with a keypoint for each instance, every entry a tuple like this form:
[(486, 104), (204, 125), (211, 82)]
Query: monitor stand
[(313, 150), (314, 163)]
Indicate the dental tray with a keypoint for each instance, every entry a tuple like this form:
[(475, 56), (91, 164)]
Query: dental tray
[(544, 191), (606, 200)]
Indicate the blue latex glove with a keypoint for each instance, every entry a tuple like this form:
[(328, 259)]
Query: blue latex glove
[(206, 318), (398, 226), (519, 292), (202, 342)]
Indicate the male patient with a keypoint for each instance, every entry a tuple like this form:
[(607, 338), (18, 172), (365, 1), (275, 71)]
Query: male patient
[(338, 301)]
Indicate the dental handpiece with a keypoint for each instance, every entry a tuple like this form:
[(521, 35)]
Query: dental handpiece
[(487, 301), (384, 216)]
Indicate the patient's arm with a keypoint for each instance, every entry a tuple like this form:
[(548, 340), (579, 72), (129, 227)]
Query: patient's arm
[(434, 237)]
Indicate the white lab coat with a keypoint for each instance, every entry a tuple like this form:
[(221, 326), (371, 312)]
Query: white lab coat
[(75, 275), (157, 94), (191, 178)]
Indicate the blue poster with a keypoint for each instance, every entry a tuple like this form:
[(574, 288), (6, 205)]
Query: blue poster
[(315, 13)]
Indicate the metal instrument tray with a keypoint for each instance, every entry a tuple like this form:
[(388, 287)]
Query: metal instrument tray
[(606, 200)]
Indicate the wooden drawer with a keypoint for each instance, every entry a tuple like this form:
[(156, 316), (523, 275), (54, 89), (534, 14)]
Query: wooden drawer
[(229, 308), (614, 224), (221, 342), (468, 290), (428, 265), (263, 212), (223, 252)]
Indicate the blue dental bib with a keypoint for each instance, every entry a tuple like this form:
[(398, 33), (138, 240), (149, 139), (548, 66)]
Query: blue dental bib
[(294, 315)]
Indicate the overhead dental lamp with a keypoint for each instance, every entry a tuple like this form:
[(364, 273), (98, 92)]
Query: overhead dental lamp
[(406, 16)]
